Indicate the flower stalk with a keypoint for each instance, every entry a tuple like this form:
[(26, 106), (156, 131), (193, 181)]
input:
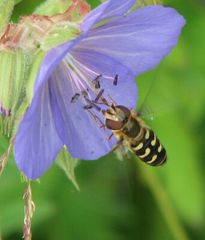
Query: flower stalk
[(29, 208), (163, 202)]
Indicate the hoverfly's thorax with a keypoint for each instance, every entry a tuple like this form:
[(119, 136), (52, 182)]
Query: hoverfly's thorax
[(132, 128)]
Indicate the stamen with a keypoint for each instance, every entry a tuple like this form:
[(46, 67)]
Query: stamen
[(91, 104), (99, 96), (98, 120)]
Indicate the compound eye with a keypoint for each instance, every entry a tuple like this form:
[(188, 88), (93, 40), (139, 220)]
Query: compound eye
[(113, 125), (125, 110)]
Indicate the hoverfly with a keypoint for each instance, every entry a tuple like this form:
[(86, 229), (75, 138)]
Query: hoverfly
[(127, 126)]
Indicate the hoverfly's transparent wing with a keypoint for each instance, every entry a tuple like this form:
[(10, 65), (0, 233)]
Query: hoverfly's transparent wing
[(156, 96), (147, 86)]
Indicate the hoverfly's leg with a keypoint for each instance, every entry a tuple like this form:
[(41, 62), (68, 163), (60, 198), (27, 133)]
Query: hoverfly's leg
[(118, 144)]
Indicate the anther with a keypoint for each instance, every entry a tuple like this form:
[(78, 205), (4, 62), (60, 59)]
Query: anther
[(96, 81), (85, 92), (75, 98), (116, 80), (87, 107)]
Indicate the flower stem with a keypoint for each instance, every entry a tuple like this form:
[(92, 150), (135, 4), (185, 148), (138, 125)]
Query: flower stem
[(164, 203)]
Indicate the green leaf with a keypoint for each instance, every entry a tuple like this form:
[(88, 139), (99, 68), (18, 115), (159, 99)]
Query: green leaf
[(68, 165), (52, 7)]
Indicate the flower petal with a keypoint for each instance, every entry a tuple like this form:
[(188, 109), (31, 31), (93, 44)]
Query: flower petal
[(117, 8), (37, 142), (51, 60), (76, 126), (139, 40), (109, 9)]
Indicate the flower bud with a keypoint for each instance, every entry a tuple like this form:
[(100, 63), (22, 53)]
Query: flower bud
[(75, 10), (59, 33), (13, 67), (6, 8)]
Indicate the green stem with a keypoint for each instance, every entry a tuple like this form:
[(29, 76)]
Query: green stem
[(164, 203)]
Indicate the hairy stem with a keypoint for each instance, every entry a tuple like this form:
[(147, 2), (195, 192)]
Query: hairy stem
[(29, 209), (164, 203)]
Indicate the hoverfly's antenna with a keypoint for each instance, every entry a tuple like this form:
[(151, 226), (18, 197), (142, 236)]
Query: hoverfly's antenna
[(143, 109)]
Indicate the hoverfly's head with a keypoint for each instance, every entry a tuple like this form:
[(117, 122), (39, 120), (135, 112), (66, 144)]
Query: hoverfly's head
[(116, 117)]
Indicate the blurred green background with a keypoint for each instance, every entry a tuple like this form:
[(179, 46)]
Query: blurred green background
[(127, 200)]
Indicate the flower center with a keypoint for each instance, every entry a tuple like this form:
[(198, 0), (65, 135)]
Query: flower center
[(87, 83)]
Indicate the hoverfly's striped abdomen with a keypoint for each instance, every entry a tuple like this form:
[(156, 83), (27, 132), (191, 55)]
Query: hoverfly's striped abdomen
[(130, 129), (149, 149)]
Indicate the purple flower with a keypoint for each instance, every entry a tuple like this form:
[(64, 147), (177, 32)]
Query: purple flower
[(113, 42)]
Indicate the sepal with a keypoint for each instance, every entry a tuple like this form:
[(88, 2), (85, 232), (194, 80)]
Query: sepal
[(68, 165), (13, 72), (6, 8)]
